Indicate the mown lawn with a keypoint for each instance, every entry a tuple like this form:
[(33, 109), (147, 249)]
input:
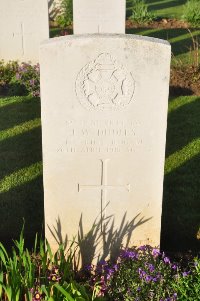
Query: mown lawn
[(21, 191), (162, 8)]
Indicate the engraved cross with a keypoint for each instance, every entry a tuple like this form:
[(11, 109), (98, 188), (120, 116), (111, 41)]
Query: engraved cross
[(103, 187)]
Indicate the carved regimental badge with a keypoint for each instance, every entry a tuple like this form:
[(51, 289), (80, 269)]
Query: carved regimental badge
[(104, 84)]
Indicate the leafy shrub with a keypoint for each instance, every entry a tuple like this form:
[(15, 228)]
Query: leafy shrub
[(19, 79), (145, 274), (138, 274), (44, 276), (187, 283), (29, 76), (140, 13), (65, 17), (7, 72), (192, 12)]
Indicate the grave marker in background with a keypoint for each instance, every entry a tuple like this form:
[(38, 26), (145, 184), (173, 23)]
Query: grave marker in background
[(99, 16), (23, 26)]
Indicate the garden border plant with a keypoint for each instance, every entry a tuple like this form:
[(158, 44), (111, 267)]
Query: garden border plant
[(65, 16), (137, 274), (18, 79), (140, 13), (192, 12)]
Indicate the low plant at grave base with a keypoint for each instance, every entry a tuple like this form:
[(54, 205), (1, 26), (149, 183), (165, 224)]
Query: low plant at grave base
[(7, 72), (140, 13), (194, 50), (192, 12), (65, 16), (137, 274), (145, 274), (19, 79)]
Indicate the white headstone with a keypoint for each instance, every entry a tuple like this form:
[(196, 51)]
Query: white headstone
[(23, 26), (99, 16), (104, 117)]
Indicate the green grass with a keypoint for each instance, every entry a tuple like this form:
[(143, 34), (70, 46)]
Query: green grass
[(163, 8), (181, 206), (21, 191)]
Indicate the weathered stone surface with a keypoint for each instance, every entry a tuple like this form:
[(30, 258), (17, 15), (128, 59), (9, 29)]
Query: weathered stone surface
[(104, 116), (99, 16), (23, 26)]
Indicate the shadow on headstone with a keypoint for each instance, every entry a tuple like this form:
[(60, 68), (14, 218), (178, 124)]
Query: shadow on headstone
[(102, 241)]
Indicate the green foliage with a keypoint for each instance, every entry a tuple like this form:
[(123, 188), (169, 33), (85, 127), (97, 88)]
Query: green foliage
[(192, 12), (188, 283), (7, 73), (29, 76), (146, 274), (39, 276), (65, 17), (140, 13), (19, 79), (137, 274)]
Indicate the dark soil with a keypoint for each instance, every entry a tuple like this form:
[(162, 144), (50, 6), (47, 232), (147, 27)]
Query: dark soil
[(185, 80), (159, 23)]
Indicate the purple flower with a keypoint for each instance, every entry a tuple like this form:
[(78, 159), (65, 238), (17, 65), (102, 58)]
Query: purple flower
[(142, 273), (185, 274), (102, 263), (109, 272), (142, 248), (148, 278), (174, 267), (156, 252), (54, 277), (53, 274), (128, 254), (175, 295), (116, 267), (89, 267), (166, 260), (151, 268)]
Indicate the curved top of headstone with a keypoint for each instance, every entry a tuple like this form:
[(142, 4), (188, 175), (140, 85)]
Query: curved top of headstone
[(85, 37)]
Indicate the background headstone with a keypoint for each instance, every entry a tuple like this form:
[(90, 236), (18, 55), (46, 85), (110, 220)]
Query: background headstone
[(23, 26), (99, 16), (104, 117)]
